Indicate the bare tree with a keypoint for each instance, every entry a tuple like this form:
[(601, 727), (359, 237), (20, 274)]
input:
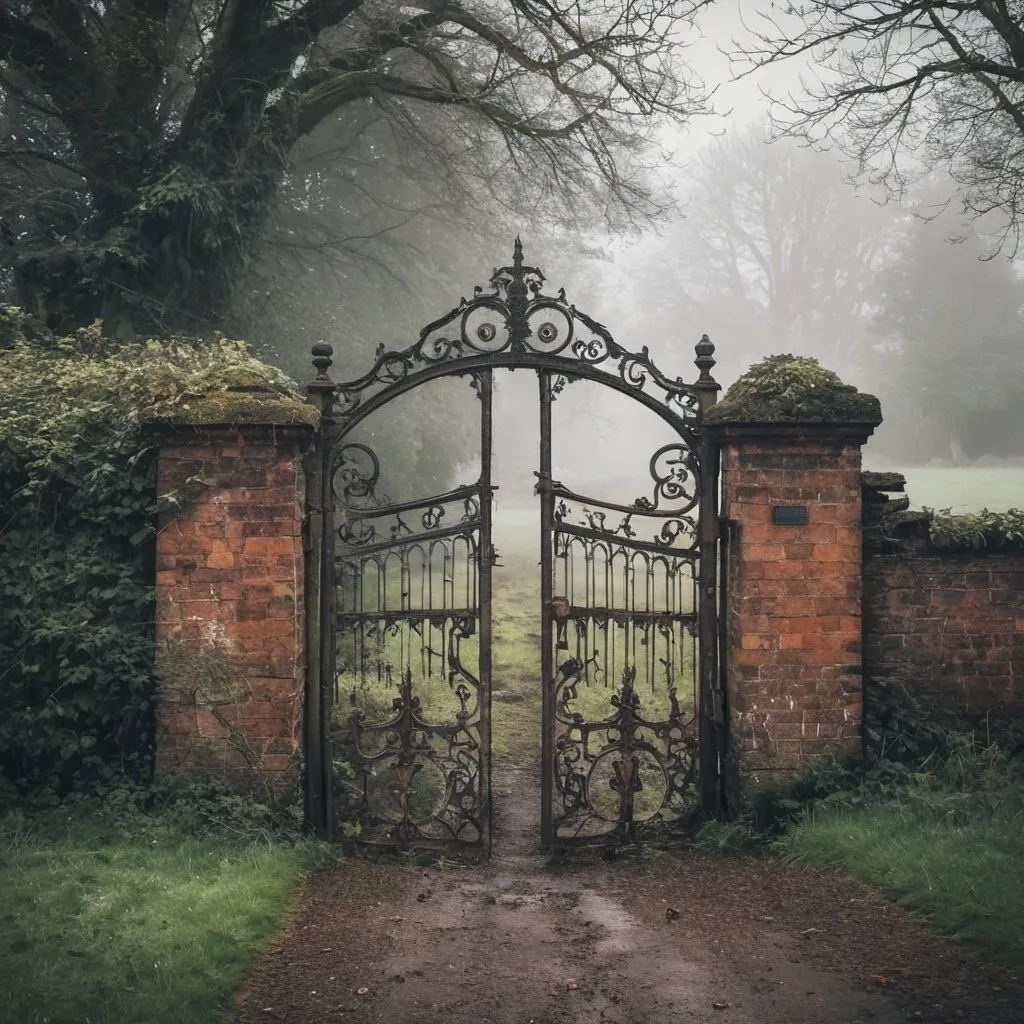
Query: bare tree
[(179, 118), (953, 385), (775, 251), (909, 86)]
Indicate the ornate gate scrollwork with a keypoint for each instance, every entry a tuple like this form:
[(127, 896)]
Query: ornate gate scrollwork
[(410, 724), (398, 701), (624, 686)]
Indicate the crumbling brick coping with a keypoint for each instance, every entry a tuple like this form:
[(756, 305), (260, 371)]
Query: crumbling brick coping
[(791, 497), (229, 589)]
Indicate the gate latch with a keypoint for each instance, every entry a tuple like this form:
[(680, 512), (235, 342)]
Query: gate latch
[(493, 556)]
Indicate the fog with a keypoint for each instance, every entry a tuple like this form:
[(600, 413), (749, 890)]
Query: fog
[(773, 246)]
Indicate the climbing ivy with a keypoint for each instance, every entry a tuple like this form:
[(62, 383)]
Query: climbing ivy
[(978, 531), (77, 519)]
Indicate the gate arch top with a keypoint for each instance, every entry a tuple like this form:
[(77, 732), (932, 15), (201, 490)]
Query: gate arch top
[(514, 326)]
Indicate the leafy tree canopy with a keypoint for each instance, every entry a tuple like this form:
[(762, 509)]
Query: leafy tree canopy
[(147, 140)]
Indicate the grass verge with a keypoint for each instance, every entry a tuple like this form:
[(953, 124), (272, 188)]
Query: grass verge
[(149, 925), (953, 855)]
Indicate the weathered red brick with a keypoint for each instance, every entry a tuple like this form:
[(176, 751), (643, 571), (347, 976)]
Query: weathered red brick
[(230, 576)]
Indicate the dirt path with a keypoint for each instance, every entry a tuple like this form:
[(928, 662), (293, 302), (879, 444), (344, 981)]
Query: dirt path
[(521, 940)]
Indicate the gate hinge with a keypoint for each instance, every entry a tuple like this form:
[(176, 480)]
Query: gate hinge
[(312, 528)]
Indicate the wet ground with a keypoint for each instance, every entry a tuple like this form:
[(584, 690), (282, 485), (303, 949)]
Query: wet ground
[(651, 939), (658, 938)]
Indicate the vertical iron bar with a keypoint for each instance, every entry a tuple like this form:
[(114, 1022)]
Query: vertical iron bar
[(485, 561), (711, 726), (316, 807), (547, 667), (328, 646), (708, 629), (320, 589)]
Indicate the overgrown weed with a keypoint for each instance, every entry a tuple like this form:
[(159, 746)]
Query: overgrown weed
[(932, 815)]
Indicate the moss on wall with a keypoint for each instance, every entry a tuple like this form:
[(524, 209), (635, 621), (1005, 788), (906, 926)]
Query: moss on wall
[(794, 389), (237, 407)]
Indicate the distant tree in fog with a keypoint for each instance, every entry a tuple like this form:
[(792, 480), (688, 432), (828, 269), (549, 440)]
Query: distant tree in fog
[(909, 86), (774, 252), (147, 141), (955, 385)]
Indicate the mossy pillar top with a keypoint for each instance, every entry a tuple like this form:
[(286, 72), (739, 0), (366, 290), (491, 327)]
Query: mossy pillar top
[(229, 588), (790, 435)]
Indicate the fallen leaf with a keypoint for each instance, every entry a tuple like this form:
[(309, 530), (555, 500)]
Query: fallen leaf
[(571, 985), (364, 991), (878, 979), (424, 873), (326, 949), (397, 917), (671, 913), (809, 931), (722, 1005)]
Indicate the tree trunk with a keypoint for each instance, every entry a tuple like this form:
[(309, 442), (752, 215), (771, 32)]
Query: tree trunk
[(956, 448)]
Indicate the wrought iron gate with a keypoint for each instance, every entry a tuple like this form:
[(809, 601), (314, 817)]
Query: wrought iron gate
[(399, 600)]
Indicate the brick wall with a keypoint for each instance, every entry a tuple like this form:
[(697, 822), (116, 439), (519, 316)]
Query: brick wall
[(230, 607), (947, 626), (793, 650)]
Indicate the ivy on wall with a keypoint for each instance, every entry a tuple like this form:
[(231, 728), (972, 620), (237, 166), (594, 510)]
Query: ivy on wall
[(77, 520), (977, 531)]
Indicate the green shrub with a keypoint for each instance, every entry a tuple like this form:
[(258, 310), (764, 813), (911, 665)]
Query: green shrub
[(977, 531), (909, 756), (77, 521)]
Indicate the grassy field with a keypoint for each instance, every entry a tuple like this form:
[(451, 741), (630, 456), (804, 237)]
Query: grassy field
[(954, 856), (99, 926), (968, 489)]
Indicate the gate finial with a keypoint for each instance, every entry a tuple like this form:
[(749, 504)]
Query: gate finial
[(322, 360), (517, 297), (704, 362), (322, 387)]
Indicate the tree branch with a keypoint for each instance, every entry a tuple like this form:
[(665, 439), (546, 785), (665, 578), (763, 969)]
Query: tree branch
[(49, 158)]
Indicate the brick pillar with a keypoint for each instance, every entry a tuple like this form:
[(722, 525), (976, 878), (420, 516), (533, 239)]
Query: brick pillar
[(793, 642), (229, 601)]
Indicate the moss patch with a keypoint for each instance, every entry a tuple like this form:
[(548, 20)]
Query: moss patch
[(237, 408), (794, 389)]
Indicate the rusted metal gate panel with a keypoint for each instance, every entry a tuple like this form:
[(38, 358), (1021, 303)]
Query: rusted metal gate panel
[(404, 654), (399, 602), (621, 650), (411, 586)]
